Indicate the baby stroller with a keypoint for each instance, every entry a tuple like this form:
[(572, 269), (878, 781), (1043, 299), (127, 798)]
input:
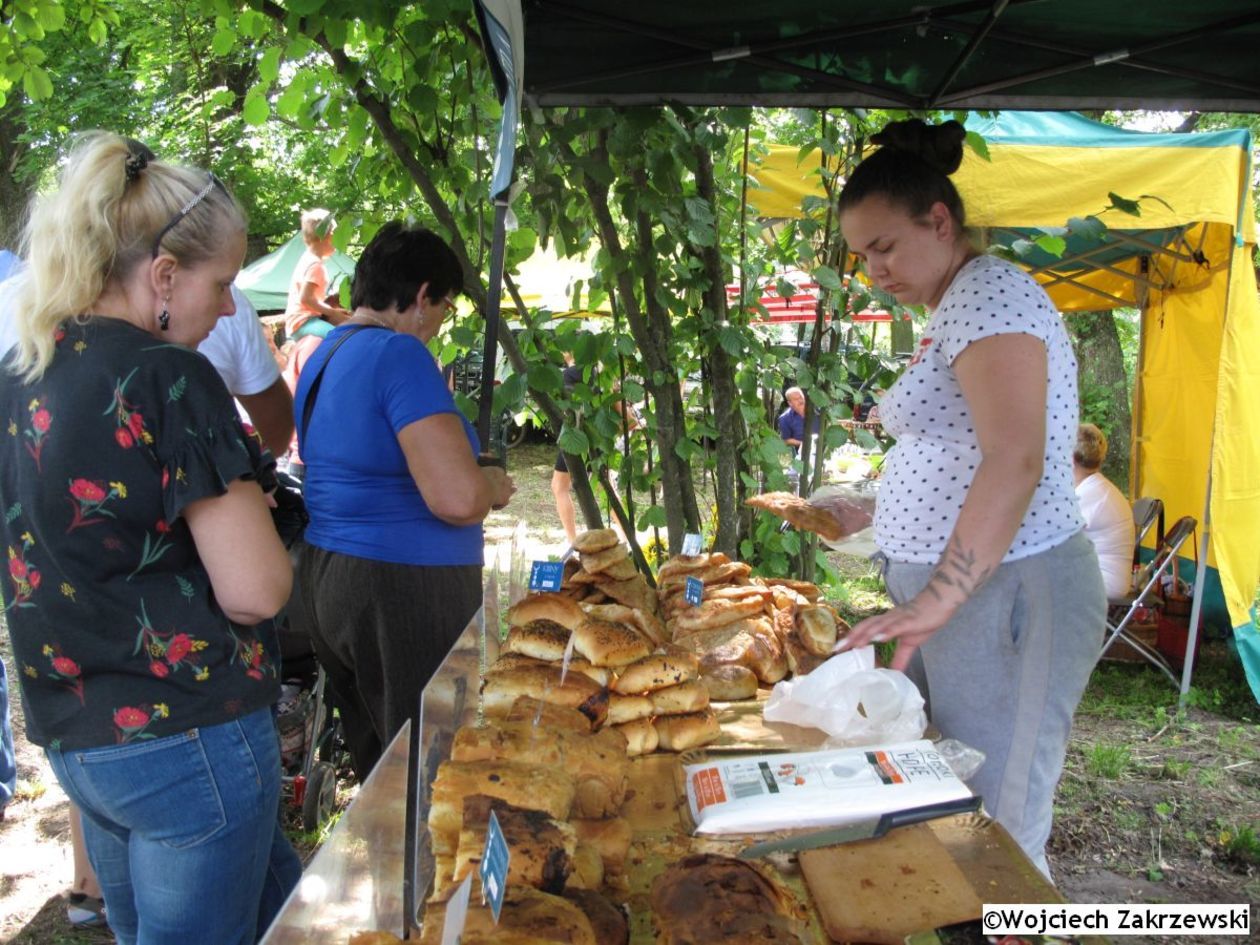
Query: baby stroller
[(309, 740)]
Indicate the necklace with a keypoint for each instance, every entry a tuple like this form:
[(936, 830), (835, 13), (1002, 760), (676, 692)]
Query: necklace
[(374, 321)]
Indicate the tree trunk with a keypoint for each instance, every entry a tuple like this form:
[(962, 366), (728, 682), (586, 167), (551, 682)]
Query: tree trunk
[(14, 192), (1104, 387), (726, 400)]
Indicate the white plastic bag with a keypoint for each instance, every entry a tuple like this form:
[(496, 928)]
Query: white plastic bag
[(852, 701)]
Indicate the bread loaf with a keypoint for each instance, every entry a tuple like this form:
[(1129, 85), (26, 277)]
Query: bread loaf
[(690, 696), (537, 712), (708, 898), (534, 787), (607, 921), (500, 690), (598, 561), (541, 639), (596, 539), (588, 868), (609, 644), (640, 737), (611, 837), (540, 849), (646, 623), (657, 671), (623, 709), (680, 732), (730, 683), (546, 606)]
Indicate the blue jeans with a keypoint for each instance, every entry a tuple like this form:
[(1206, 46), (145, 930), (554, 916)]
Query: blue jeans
[(8, 764), (184, 833)]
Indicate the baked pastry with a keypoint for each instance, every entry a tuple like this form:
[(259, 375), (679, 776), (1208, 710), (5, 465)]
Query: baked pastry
[(717, 613), (510, 661), (540, 849), (530, 916), (640, 735), (817, 628), (596, 539), (646, 623), (546, 606), (806, 589), (597, 763), (657, 671), (708, 898), (611, 837), (750, 643), (535, 787), (607, 921), (623, 709), (633, 593), (690, 696), (609, 644), (541, 639), (620, 570), (588, 868), (538, 712), (680, 732), (730, 683), (598, 561), (501, 689), (375, 938)]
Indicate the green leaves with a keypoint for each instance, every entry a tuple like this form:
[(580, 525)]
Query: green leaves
[(573, 441), (256, 109), (1123, 204), (36, 83), (976, 142)]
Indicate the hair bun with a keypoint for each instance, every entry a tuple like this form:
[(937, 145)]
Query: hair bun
[(941, 145)]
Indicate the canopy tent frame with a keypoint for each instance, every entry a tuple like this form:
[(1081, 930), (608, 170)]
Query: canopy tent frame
[(1210, 46)]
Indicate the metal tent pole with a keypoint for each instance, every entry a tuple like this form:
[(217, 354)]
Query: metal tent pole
[(1196, 604), (490, 352)]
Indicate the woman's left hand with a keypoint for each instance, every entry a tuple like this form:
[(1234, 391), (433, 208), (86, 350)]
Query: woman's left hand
[(910, 624)]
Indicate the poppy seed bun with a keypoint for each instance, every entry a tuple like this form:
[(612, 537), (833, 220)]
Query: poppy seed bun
[(623, 709), (658, 671), (541, 639), (554, 607), (605, 643)]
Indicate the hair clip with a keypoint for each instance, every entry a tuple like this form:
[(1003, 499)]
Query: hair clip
[(134, 164)]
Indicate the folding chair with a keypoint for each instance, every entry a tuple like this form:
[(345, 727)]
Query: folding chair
[(1146, 512), (1147, 586)]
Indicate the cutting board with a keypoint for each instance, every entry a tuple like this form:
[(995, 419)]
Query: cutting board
[(882, 890)]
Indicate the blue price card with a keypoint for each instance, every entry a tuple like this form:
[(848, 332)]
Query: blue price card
[(494, 867), (546, 575), (691, 544), (694, 592)]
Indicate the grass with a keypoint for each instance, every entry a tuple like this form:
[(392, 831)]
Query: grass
[(1108, 761)]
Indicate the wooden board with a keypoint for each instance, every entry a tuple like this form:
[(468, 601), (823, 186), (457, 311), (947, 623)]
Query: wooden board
[(882, 890)]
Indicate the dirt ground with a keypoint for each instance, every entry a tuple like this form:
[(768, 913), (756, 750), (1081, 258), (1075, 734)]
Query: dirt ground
[(1153, 806)]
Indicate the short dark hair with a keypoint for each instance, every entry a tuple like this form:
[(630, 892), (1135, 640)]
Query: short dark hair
[(397, 262), (911, 169)]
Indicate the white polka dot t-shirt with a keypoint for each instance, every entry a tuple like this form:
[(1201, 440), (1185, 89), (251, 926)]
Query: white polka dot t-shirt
[(928, 472)]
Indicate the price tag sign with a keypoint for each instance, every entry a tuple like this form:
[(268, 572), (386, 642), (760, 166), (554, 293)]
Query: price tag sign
[(494, 867), (691, 544), (456, 913), (694, 591), (546, 575)]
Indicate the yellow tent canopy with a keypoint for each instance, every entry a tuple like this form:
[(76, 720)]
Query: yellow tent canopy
[(1185, 262)]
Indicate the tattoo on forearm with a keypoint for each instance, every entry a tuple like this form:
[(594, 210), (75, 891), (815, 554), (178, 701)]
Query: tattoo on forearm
[(957, 571)]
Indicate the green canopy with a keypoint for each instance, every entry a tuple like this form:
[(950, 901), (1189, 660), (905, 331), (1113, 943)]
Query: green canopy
[(978, 54), (265, 281)]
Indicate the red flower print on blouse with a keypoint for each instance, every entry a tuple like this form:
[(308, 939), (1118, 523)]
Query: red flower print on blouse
[(37, 432), (168, 652), (179, 646), (130, 721), (251, 655), (88, 499), (64, 670), (130, 422), (23, 575)]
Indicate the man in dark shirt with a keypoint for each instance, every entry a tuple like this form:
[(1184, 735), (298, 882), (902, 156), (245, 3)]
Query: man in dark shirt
[(792, 420)]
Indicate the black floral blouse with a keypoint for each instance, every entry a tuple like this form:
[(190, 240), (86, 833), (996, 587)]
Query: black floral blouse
[(116, 633)]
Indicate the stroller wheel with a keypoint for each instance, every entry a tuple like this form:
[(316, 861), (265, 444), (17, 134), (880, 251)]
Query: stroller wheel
[(321, 794)]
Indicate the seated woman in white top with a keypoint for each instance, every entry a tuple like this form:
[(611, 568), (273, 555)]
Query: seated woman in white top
[(1108, 515)]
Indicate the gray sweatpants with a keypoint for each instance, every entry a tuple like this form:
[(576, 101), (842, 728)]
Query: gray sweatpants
[(1005, 675)]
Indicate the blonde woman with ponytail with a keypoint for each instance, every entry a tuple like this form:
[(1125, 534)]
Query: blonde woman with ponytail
[(143, 567)]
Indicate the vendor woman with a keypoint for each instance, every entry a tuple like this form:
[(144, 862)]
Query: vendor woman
[(999, 600)]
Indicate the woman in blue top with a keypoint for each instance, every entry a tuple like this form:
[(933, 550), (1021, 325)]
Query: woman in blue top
[(392, 572)]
